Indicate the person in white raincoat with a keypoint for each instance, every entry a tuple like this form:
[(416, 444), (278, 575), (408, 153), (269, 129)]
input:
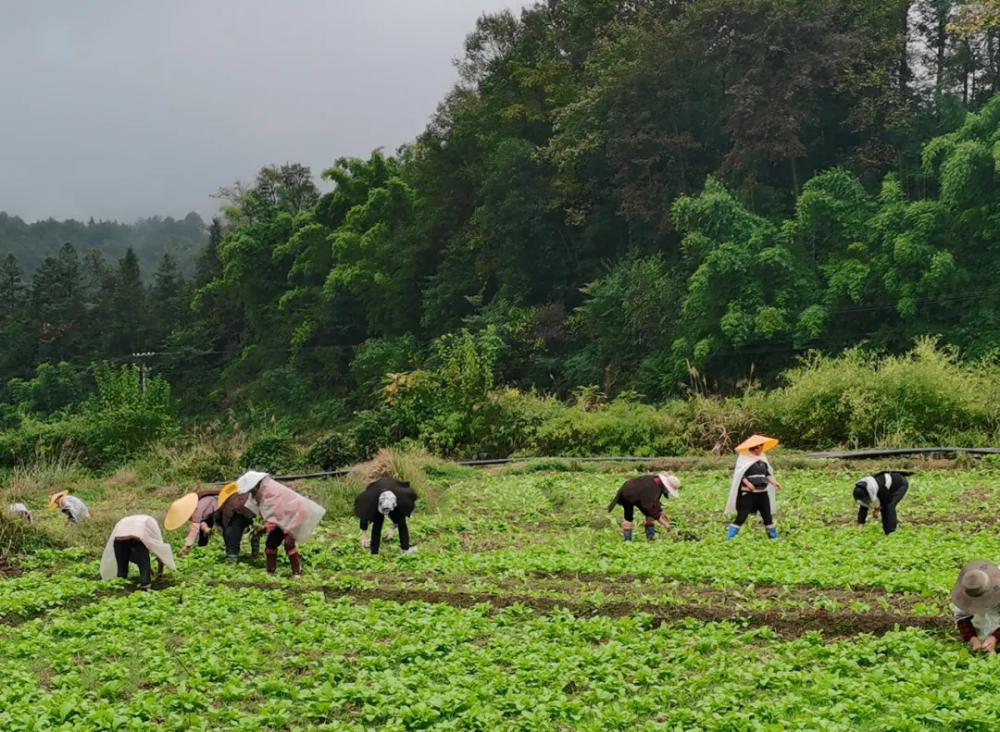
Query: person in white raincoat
[(753, 486), (19, 509), (290, 518), (976, 604), (72, 507), (132, 540)]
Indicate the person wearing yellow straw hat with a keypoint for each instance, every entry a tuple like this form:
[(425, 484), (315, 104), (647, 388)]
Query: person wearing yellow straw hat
[(976, 604), (235, 513), (131, 541), (199, 510), (72, 507), (753, 486)]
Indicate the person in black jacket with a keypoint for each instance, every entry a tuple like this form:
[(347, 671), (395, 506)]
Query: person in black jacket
[(385, 497), (881, 492), (645, 493)]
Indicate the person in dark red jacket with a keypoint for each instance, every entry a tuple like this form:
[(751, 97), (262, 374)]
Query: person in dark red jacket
[(976, 603), (645, 493)]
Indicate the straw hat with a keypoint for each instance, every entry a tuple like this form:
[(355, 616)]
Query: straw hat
[(768, 443), (54, 499), (225, 493), (180, 511), (978, 587), (671, 483)]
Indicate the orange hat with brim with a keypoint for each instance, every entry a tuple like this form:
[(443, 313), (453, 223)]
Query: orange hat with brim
[(180, 511), (767, 443), (225, 493), (54, 499)]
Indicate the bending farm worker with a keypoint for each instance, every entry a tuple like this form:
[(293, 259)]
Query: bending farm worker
[(385, 497), (753, 486), (199, 510), (976, 603), (645, 493), (883, 491), (72, 507), (289, 517), (131, 541), (19, 509), (235, 513)]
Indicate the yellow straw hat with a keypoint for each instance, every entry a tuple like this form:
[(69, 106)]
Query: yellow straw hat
[(225, 493), (54, 499), (180, 511), (768, 443)]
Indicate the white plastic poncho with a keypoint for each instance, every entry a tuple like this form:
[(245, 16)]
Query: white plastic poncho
[(21, 510), (985, 623), (743, 461), (76, 508), (145, 529), (292, 512)]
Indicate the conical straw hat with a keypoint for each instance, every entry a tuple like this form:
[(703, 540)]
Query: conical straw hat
[(180, 511), (225, 493), (54, 499), (768, 443)]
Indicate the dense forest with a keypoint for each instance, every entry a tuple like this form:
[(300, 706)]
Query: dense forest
[(629, 197), (148, 239)]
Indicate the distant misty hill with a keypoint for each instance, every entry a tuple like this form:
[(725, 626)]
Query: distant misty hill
[(149, 238)]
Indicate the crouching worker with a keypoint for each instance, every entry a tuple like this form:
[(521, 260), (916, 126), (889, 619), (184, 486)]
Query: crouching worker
[(883, 491), (644, 493), (235, 513), (289, 517), (72, 507), (199, 510), (20, 510), (131, 541), (382, 498), (753, 485), (976, 601)]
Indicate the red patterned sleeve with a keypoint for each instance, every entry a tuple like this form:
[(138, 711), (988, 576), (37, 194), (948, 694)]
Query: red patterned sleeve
[(967, 630)]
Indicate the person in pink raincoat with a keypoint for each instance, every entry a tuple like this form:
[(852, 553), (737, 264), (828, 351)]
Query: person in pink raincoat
[(289, 517)]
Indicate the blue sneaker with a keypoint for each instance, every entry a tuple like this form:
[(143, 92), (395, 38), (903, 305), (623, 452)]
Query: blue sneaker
[(650, 533), (627, 535), (772, 533), (731, 533)]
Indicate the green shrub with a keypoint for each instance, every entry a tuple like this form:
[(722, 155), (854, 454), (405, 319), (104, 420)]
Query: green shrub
[(270, 452), (335, 450), (619, 429)]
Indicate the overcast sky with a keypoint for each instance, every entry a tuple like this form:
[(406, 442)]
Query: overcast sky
[(118, 109)]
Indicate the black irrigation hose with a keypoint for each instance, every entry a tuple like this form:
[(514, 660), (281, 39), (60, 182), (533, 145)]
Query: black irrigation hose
[(854, 455)]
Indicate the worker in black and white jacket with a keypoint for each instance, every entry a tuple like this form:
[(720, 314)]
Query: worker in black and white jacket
[(881, 492)]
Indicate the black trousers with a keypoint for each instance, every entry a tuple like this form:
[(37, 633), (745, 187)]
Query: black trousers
[(232, 535), (750, 503), (376, 532), (889, 518), (630, 514), (134, 551)]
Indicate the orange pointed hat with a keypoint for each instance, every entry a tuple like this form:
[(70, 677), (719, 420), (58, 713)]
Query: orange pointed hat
[(768, 443)]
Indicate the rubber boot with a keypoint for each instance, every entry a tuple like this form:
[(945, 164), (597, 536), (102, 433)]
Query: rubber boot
[(650, 533), (271, 560), (731, 533), (772, 533), (296, 563), (627, 533)]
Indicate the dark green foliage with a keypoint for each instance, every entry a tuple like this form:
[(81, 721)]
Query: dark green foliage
[(333, 451), (271, 452)]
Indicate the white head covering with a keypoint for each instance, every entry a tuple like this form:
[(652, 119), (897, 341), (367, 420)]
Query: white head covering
[(386, 502), (141, 527), (248, 481), (671, 483), (743, 461), (872, 487)]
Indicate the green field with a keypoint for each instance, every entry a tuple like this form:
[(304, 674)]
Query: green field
[(522, 610)]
